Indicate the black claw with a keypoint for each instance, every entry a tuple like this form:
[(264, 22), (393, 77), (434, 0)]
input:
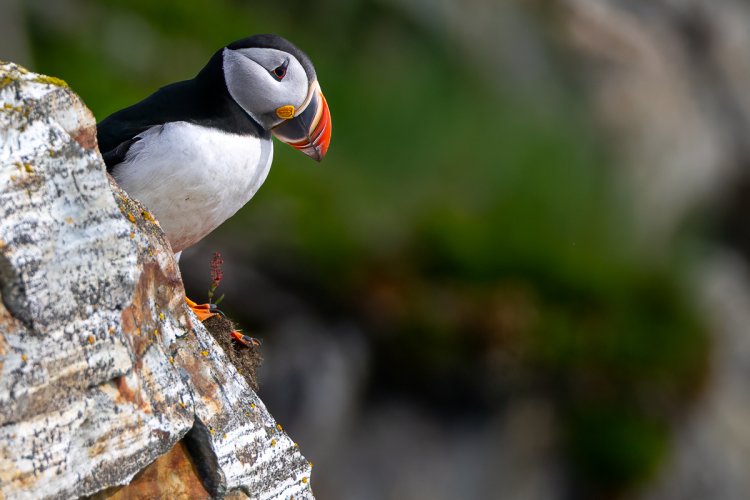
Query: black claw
[(215, 309), (246, 340)]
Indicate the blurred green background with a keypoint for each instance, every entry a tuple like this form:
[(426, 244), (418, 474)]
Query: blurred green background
[(465, 250)]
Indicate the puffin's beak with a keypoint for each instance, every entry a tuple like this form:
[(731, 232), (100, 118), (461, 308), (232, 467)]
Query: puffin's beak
[(309, 130)]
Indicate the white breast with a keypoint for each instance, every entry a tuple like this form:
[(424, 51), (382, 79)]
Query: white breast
[(193, 178)]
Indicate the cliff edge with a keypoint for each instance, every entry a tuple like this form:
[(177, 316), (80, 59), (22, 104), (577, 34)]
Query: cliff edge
[(103, 368)]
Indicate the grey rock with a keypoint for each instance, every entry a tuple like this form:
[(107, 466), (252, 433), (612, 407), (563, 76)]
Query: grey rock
[(103, 368)]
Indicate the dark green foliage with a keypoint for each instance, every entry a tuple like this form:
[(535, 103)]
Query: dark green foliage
[(614, 446)]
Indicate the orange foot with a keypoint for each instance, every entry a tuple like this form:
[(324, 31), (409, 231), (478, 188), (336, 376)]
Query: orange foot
[(245, 339), (203, 311)]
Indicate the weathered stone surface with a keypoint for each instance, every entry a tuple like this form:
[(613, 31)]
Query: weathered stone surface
[(171, 476), (243, 446), (85, 400), (102, 367)]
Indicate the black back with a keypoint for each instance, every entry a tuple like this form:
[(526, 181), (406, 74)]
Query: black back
[(204, 100)]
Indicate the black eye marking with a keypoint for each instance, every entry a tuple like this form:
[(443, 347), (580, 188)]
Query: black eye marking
[(280, 72)]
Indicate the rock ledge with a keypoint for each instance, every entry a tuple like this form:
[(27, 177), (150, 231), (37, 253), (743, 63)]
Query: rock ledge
[(103, 369)]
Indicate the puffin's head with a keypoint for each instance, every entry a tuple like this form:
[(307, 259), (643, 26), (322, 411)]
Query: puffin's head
[(275, 83)]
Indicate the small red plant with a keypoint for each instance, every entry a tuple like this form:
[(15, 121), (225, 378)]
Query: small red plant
[(216, 276)]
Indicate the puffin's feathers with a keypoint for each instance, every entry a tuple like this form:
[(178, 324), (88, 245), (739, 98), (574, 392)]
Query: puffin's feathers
[(203, 101), (276, 42), (117, 155)]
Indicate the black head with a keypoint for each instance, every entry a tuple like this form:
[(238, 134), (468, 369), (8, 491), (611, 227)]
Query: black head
[(269, 41), (275, 83)]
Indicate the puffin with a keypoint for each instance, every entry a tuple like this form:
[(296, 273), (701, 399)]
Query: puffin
[(196, 151)]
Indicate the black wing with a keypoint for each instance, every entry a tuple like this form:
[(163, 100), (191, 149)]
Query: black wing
[(117, 132), (116, 156), (204, 100)]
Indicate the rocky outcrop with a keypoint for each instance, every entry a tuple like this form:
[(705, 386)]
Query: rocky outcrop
[(103, 369)]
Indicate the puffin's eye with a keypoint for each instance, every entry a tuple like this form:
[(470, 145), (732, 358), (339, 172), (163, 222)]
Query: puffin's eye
[(280, 72)]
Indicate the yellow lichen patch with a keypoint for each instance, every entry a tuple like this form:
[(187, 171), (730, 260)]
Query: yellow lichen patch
[(146, 215), (278, 426), (112, 330), (17, 109), (273, 442), (91, 339), (24, 358), (247, 414), (5, 81), (225, 435), (131, 218), (137, 331), (69, 220), (51, 80), (204, 353), (304, 480), (27, 180), (212, 430), (161, 316), (132, 235), (171, 359), (252, 405), (29, 169), (183, 404)]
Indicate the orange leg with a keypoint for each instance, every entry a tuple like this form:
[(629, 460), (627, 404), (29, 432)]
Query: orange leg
[(203, 311)]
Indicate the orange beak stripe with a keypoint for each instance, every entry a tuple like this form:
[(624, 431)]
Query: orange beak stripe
[(310, 130), (320, 136)]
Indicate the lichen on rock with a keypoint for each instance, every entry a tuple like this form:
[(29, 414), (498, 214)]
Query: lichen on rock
[(100, 372)]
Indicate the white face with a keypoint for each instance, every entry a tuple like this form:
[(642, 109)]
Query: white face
[(262, 80)]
